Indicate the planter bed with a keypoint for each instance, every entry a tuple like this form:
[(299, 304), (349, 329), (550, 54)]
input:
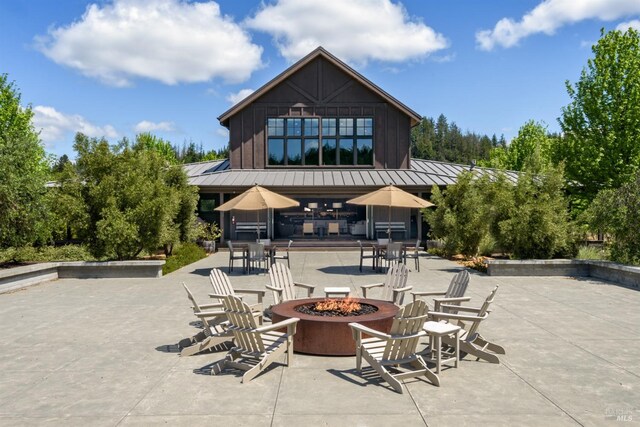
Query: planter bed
[(19, 277), (605, 270)]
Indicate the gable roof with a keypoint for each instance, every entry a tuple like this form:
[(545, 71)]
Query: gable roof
[(319, 52)]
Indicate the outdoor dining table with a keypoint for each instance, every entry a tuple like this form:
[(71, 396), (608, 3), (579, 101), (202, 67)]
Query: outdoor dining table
[(269, 250), (379, 250)]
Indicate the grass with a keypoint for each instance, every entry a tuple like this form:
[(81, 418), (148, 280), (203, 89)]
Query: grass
[(592, 252)]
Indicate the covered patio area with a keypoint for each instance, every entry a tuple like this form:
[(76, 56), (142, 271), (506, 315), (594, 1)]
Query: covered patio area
[(104, 352)]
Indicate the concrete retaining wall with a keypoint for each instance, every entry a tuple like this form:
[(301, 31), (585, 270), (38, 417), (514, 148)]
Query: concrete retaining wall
[(605, 270), (19, 277)]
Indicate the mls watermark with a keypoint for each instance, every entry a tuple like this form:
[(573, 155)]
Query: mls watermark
[(619, 414)]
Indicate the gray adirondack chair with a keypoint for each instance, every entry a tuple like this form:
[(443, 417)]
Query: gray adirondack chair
[(283, 286), (452, 296), (214, 332), (471, 342), (397, 349), (395, 285), (222, 286), (255, 347)]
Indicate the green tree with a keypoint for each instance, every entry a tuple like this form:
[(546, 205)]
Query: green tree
[(532, 148), (601, 124), (23, 172), (135, 200), (147, 141), (68, 215), (616, 212)]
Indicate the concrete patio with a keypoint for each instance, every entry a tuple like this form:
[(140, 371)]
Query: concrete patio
[(103, 352)]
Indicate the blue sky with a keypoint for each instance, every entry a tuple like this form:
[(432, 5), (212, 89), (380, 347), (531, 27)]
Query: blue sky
[(114, 67)]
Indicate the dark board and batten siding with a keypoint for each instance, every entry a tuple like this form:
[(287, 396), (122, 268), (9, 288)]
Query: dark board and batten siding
[(319, 89)]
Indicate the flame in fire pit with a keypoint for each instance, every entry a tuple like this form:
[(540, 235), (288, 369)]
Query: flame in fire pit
[(345, 305)]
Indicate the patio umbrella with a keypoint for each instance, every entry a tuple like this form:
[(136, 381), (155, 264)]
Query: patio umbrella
[(391, 196), (255, 199)]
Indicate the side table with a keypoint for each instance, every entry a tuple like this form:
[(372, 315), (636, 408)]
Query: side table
[(436, 330)]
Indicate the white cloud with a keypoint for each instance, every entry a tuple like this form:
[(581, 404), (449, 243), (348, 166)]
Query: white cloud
[(171, 41), (550, 15), (355, 31), (55, 126), (223, 132), (624, 26), (234, 98), (147, 126)]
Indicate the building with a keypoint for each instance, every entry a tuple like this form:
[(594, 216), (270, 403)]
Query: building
[(320, 133)]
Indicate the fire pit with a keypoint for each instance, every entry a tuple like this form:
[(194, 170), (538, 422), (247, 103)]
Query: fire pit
[(327, 332)]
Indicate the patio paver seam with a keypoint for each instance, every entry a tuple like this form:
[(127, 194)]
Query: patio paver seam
[(547, 398), (416, 404), (153, 386), (275, 404)]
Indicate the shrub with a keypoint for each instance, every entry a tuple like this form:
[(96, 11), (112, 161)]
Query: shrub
[(46, 254), (617, 214), (538, 225), (457, 219), (186, 254)]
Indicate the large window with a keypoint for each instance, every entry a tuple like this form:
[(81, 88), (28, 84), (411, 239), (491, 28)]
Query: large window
[(310, 141)]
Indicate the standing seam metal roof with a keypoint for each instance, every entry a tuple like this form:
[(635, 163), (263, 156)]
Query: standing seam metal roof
[(423, 173)]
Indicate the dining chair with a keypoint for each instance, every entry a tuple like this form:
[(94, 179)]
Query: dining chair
[(256, 257), (365, 255), (414, 254), (234, 256), (284, 255), (392, 254)]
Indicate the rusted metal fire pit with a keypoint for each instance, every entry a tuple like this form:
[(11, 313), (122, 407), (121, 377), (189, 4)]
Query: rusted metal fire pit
[(331, 335)]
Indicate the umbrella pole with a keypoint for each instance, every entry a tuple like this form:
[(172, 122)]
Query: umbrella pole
[(258, 226), (389, 225)]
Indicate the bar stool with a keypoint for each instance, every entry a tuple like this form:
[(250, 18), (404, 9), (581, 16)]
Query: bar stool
[(436, 330)]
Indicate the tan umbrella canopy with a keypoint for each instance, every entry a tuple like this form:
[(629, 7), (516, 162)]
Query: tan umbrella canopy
[(391, 196), (257, 198)]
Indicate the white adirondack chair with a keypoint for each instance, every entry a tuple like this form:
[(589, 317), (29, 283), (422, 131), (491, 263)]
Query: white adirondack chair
[(222, 286), (454, 294), (214, 332), (394, 286), (255, 347), (283, 286), (471, 342), (396, 349)]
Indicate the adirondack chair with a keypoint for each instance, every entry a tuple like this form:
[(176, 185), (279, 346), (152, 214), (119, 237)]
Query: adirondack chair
[(214, 332), (397, 348), (394, 286), (471, 342), (255, 347), (454, 294), (222, 286), (283, 286)]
